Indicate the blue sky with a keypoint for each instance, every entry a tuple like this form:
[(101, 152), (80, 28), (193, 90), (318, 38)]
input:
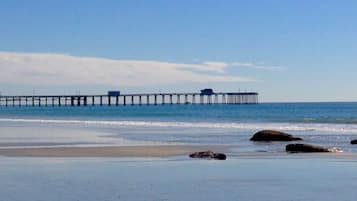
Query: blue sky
[(285, 50)]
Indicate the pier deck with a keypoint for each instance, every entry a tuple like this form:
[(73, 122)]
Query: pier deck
[(130, 99)]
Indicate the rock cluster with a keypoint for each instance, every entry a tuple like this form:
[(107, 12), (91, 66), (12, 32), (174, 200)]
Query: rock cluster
[(270, 136)]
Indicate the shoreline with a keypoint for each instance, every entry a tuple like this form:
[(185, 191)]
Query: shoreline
[(159, 151), (113, 151)]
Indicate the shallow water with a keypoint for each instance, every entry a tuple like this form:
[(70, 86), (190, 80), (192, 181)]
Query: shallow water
[(328, 124), (290, 178)]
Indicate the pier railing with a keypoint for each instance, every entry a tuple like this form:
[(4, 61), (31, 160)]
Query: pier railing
[(130, 99)]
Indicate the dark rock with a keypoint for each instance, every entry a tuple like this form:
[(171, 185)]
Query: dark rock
[(203, 154), (294, 148), (271, 135), (209, 155), (220, 156), (354, 142)]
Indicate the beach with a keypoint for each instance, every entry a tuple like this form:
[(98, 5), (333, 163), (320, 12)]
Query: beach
[(142, 153), (290, 178), (119, 151), (156, 151)]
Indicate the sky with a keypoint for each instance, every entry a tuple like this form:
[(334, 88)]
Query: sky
[(286, 50)]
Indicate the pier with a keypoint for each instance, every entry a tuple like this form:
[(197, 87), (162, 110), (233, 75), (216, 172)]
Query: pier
[(112, 99)]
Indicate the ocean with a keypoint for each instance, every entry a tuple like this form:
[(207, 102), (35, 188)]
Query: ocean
[(328, 124)]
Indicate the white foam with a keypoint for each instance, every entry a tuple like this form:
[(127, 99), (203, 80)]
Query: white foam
[(335, 128)]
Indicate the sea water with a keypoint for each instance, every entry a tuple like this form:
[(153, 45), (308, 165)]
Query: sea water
[(328, 124)]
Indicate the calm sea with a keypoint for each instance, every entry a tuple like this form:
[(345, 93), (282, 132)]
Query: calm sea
[(330, 124)]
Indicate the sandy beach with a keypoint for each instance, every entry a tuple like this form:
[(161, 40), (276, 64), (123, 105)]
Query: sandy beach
[(118, 151), (161, 151)]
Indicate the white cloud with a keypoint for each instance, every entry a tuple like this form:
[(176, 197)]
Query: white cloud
[(257, 66), (60, 69)]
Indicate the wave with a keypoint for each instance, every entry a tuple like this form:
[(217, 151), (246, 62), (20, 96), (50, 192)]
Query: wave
[(335, 128)]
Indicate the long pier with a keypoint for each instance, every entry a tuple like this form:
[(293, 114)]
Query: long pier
[(129, 99)]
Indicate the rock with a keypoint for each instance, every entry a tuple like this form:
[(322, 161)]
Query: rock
[(220, 156), (209, 155), (294, 148), (354, 142), (271, 135)]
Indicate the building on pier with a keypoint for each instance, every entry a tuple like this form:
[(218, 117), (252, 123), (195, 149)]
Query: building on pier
[(207, 92), (113, 93)]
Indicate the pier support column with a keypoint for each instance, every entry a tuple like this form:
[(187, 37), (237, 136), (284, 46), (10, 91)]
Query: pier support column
[(109, 100), (186, 99), (209, 99), (140, 103), (155, 99), (93, 101), (132, 100), (256, 99), (59, 101), (124, 101), (202, 99), (117, 100), (171, 102), (147, 100), (178, 99), (85, 100), (163, 99), (72, 101), (101, 101)]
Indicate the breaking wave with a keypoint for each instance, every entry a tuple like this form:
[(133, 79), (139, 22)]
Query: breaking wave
[(335, 128)]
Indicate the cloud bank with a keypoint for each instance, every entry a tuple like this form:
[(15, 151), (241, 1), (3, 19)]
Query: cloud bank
[(61, 69)]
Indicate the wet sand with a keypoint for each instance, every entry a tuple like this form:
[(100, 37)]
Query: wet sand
[(113, 179), (118, 151), (158, 151)]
